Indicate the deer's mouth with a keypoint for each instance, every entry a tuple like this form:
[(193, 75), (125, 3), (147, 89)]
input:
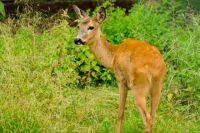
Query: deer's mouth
[(78, 41), (81, 43)]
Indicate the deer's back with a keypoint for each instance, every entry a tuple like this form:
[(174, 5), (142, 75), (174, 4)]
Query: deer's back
[(135, 56)]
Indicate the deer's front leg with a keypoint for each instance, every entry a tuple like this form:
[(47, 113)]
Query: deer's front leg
[(122, 101)]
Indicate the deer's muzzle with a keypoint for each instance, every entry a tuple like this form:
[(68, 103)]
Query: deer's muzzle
[(78, 41)]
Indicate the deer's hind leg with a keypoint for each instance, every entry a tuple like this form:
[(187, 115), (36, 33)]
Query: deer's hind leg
[(140, 88), (156, 88)]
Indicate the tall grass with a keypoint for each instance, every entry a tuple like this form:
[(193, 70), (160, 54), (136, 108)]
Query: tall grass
[(41, 71)]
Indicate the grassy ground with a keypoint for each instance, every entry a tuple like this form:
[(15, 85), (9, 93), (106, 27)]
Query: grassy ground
[(82, 111)]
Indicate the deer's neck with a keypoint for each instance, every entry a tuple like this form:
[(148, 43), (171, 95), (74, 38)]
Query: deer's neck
[(103, 51)]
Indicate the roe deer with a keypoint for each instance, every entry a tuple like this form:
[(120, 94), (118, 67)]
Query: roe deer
[(136, 65)]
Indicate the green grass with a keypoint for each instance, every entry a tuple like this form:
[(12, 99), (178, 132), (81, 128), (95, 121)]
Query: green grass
[(40, 74), (83, 111)]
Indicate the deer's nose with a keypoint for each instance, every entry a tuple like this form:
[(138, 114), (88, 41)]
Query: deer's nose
[(78, 41)]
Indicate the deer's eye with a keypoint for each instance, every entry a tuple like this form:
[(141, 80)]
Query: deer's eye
[(90, 28)]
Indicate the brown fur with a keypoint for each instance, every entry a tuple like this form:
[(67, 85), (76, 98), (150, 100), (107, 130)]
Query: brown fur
[(136, 65)]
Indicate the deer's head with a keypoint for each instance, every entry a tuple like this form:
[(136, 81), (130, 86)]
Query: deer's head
[(89, 28)]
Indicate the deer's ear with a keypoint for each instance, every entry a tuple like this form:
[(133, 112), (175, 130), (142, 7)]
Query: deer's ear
[(79, 12), (101, 15)]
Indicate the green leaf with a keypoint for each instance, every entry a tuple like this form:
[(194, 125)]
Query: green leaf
[(94, 63), (2, 9), (94, 74), (97, 68)]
